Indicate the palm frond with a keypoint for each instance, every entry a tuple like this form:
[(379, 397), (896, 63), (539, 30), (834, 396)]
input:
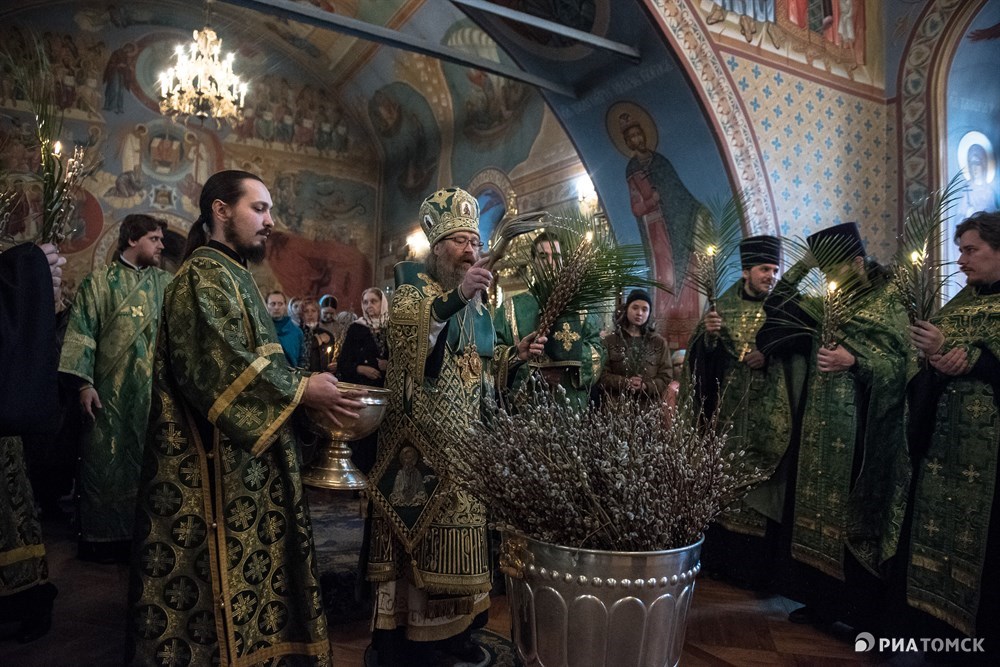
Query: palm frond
[(921, 280), (508, 229), (716, 245), (830, 296), (594, 269)]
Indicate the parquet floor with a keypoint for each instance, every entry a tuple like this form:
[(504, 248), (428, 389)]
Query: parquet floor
[(728, 626)]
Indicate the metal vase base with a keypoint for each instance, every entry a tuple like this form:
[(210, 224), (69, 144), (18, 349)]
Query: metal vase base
[(333, 469), (587, 608)]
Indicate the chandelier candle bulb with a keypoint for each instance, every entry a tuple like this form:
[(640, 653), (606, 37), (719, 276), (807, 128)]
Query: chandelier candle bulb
[(202, 83)]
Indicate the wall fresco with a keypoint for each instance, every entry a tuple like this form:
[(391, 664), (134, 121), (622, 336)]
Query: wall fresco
[(296, 135)]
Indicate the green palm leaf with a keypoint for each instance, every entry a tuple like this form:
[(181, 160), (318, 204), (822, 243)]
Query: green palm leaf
[(919, 278), (716, 246)]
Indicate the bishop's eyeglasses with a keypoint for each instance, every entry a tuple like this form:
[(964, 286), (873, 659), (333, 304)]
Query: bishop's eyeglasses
[(463, 241)]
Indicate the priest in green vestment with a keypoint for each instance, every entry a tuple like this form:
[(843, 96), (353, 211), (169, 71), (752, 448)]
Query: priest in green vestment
[(751, 393), (108, 352), (850, 468), (223, 564), (429, 554), (953, 520), (574, 355)]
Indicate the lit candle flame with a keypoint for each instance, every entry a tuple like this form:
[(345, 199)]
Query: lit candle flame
[(710, 250), (589, 236), (57, 148), (831, 286), (915, 257)]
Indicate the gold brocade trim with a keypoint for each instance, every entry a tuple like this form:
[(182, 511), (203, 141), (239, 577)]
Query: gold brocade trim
[(450, 584), (21, 554), (76, 338), (596, 365), (409, 311), (321, 647), (265, 439), (423, 342), (217, 557), (269, 349), (545, 362), (238, 385), (432, 288), (430, 633), (925, 563), (381, 572), (511, 317)]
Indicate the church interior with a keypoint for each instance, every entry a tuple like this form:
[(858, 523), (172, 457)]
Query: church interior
[(819, 113)]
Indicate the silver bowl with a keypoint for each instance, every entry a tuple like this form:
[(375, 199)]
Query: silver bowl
[(332, 468)]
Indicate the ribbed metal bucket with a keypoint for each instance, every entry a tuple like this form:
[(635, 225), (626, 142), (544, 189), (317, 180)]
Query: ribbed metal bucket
[(585, 608)]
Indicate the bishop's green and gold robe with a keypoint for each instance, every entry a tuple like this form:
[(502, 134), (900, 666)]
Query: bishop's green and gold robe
[(109, 343), (574, 345), (955, 435), (223, 566), (753, 403), (429, 555)]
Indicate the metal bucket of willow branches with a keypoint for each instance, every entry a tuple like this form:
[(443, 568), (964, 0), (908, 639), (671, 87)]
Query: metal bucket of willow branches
[(587, 608), (602, 510)]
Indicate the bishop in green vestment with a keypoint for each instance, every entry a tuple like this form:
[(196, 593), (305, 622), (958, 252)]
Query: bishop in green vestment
[(108, 350), (751, 392), (223, 565), (845, 510), (953, 519), (574, 355), (429, 555)]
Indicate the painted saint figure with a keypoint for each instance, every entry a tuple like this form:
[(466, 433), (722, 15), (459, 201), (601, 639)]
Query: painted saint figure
[(667, 213)]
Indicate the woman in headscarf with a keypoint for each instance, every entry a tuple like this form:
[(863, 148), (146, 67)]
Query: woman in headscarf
[(364, 353), (638, 358)]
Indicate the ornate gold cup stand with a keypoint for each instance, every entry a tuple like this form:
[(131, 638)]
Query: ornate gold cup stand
[(332, 468)]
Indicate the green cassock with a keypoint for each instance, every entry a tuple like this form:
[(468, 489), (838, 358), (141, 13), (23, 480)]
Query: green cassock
[(224, 567), (955, 474), (853, 466), (754, 403), (573, 344), (426, 533), (109, 343)]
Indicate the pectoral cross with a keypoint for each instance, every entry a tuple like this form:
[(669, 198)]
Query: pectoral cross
[(137, 311), (567, 337)]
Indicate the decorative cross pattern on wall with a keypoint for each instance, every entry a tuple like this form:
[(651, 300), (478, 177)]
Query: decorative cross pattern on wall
[(825, 153)]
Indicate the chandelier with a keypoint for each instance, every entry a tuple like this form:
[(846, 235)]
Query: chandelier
[(200, 84)]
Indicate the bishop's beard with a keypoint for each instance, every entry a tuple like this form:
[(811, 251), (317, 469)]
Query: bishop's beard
[(447, 273)]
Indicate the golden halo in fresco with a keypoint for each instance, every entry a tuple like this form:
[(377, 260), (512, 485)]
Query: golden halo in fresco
[(621, 116)]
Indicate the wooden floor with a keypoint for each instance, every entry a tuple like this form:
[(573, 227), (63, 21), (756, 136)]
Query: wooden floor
[(728, 626)]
